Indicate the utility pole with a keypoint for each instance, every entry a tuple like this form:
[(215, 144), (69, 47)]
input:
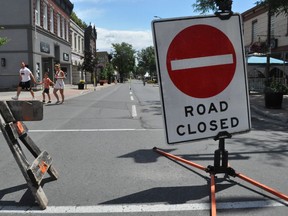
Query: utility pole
[(267, 69)]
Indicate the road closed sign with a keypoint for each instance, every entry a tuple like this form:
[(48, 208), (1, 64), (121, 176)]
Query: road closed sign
[(202, 75)]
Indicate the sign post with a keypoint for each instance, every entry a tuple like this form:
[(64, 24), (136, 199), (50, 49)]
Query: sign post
[(202, 74)]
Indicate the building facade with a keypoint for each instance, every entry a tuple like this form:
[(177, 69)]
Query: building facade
[(255, 21), (77, 52), (255, 25), (39, 34)]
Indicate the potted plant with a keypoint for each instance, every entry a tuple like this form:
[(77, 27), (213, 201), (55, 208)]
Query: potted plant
[(274, 92), (81, 84)]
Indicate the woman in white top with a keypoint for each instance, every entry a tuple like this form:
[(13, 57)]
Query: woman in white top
[(59, 83)]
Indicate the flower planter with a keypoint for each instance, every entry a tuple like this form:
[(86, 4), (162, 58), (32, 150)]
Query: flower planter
[(273, 100), (80, 85)]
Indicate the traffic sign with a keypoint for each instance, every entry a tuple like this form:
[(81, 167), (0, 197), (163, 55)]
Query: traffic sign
[(201, 68), (202, 73)]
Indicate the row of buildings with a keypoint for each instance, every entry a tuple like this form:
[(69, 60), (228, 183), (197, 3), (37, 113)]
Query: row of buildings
[(41, 33), (255, 27)]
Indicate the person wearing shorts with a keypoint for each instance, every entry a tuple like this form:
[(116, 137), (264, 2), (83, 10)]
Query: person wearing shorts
[(47, 82), (25, 77), (59, 83)]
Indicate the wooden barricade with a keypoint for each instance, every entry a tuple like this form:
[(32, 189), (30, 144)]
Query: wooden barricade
[(12, 113)]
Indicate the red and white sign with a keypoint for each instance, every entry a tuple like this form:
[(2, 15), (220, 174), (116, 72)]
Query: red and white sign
[(201, 68), (202, 74)]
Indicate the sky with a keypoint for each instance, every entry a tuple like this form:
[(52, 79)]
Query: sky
[(129, 21)]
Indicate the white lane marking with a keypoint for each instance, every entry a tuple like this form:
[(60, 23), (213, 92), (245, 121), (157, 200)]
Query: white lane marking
[(92, 130), (206, 61), (134, 112), (131, 98), (136, 208)]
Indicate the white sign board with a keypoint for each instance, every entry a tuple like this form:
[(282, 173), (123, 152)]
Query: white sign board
[(202, 74)]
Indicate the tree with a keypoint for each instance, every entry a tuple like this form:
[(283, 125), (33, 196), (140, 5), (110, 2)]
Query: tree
[(204, 6), (123, 59), (89, 64), (146, 61)]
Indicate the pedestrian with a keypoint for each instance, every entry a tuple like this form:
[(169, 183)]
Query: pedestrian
[(47, 82), (59, 83), (25, 77)]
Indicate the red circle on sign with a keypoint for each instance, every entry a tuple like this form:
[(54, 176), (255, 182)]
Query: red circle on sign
[(201, 61)]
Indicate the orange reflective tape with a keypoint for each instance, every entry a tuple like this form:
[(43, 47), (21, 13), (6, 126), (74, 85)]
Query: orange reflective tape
[(213, 196), (20, 128), (43, 167)]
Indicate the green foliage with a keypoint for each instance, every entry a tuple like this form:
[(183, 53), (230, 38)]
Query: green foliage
[(109, 70), (146, 61), (89, 63), (123, 58), (3, 40), (82, 82), (277, 6), (103, 74), (204, 6), (78, 21), (276, 86)]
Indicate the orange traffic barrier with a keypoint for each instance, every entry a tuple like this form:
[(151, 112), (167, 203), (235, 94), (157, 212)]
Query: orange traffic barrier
[(213, 196), (179, 159), (264, 187)]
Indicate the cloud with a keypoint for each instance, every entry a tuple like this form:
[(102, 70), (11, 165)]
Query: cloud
[(138, 39)]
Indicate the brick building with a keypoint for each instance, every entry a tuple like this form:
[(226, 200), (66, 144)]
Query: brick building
[(39, 34)]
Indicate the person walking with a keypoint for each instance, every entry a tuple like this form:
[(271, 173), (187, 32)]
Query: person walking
[(25, 77), (59, 83), (47, 82)]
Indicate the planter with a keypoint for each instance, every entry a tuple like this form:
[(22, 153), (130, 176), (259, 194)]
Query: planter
[(102, 82), (81, 85), (273, 100)]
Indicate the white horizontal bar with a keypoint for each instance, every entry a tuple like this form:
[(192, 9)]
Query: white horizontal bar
[(201, 62)]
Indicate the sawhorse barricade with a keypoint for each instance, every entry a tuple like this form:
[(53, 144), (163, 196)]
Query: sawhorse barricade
[(221, 166), (12, 113)]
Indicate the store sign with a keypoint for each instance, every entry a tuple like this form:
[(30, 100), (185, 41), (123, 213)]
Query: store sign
[(65, 56), (44, 47)]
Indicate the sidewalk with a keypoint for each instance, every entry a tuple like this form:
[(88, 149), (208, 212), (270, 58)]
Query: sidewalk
[(70, 91), (257, 104)]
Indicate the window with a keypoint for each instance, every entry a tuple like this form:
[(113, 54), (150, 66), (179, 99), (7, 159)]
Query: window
[(58, 25), (75, 41), (79, 43), (45, 16), (254, 31), (82, 46), (37, 13), (63, 28), (51, 20), (67, 31)]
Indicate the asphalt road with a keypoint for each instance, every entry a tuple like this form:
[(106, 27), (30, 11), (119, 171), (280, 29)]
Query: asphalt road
[(101, 144)]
